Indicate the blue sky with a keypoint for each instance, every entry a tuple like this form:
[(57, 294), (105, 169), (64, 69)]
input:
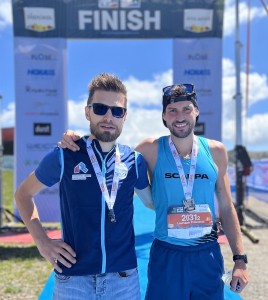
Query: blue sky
[(145, 66)]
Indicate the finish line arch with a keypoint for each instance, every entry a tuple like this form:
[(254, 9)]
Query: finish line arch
[(41, 30)]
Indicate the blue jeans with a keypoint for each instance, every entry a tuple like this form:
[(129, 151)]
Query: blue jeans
[(120, 286)]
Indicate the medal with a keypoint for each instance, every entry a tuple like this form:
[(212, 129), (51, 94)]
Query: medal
[(109, 199), (111, 215), (188, 204)]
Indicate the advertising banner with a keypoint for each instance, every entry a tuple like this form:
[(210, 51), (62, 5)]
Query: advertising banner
[(41, 110), (199, 61)]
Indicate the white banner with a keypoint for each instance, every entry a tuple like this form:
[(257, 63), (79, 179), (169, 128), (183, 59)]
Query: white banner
[(41, 110), (198, 61), (259, 177), (256, 182)]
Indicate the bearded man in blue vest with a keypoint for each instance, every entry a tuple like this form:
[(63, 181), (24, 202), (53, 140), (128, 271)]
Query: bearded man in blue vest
[(96, 257)]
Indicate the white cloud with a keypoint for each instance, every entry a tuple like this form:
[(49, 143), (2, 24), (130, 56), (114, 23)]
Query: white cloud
[(143, 121), (257, 132), (258, 91), (146, 93), (76, 114), (258, 86), (5, 13), (256, 12), (8, 115), (254, 133)]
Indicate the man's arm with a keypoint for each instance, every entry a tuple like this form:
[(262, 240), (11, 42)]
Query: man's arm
[(148, 148), (52, 250), (228, 214), (68, 140), (146, 196), (145, 148)]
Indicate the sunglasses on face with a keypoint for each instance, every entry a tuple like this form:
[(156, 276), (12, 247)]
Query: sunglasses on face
[(185, 88), (101, 110)]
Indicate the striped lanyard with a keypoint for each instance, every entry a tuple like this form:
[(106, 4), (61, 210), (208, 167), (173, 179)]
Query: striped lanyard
[(187, 186), (110, 200)]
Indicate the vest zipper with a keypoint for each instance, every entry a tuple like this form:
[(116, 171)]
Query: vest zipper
[(103, 210)]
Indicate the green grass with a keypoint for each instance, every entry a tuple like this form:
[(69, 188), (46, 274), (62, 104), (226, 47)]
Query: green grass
[(23, 272)]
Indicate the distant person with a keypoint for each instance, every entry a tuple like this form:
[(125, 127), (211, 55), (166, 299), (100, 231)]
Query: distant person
[(96, 257), (186, 171)]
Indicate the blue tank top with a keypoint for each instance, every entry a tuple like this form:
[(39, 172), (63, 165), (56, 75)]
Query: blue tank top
[(167, 189)]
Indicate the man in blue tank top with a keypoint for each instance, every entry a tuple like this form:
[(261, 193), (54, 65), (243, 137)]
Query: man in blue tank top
[(186, 172), (96, 257)]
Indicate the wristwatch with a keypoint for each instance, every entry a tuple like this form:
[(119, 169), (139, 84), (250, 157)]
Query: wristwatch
[(243, 257)]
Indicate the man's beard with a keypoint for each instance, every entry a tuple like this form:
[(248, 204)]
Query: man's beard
[(105, 136), (181, 134)]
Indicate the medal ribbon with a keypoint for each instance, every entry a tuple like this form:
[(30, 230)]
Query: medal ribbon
[(187, 186), (110, 200)]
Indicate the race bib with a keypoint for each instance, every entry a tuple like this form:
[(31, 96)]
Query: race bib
[(189, 224)]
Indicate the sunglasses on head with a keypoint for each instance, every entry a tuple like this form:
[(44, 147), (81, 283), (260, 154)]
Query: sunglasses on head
[(101, 110), (186, 88)]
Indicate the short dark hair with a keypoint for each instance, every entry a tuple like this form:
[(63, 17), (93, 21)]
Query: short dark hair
[(106, 82), (178, 94)]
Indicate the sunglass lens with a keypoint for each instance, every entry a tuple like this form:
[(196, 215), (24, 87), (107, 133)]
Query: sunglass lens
[(169, 90), (118, 112), (189, 88), (100, 109)]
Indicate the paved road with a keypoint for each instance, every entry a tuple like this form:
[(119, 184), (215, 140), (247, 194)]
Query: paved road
[(257, 253)]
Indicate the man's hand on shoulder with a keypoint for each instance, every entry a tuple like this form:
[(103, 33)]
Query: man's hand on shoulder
[(68, 140)]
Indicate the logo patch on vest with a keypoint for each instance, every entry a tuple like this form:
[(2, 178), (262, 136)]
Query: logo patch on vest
[(81, 167)]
